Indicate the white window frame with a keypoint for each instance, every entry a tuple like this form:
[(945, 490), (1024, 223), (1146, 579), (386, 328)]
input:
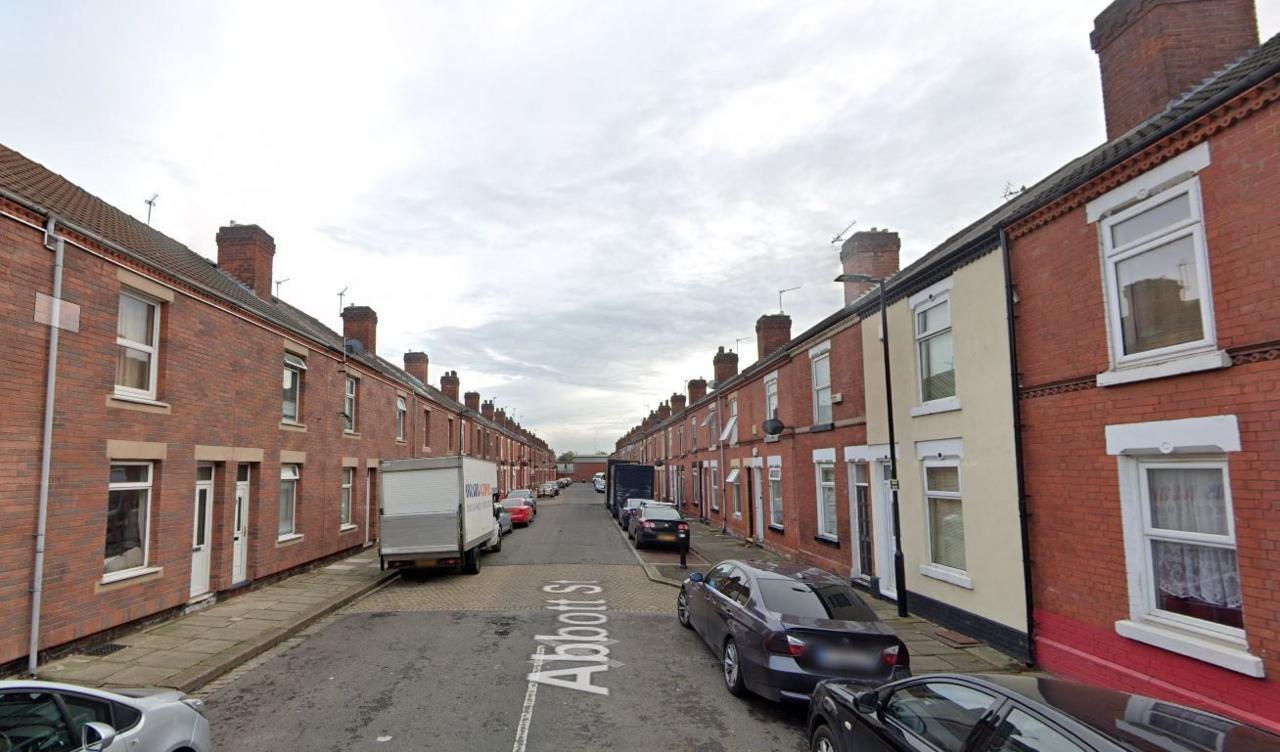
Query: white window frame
[(152, 350), (733, 479), (294, 365), (289, 473), (733, 420), (936, 570), (771, 395), (715, 487), (351, 388), (816, 355), (148, 486), (402, 411), (820, 486), (346, 500), (777, 509), (1192, 227), (935, 297)]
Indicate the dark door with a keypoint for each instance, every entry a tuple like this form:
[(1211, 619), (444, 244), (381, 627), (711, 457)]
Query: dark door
[(705, 600), (862, 508)]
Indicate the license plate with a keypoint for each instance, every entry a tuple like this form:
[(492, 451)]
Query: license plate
[(844, 659), (666, 536)]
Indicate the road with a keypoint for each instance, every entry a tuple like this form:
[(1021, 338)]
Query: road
[(441, 661)]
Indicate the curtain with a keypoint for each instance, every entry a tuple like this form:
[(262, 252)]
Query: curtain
[(1192, 500)]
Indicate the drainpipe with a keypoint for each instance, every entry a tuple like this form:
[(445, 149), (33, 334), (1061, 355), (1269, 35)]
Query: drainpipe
[(724, 470), (1017, 445), (46, 448)]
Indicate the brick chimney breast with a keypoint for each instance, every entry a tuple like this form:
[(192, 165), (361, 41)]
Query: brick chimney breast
[(871, 252), (664, 411), (773, 332), (677, 402), (361, 323), (415, 364), (486, 409), (1150, 52), (247, 252), (697, 390), (449, 385), (472, 400), (725, 363)]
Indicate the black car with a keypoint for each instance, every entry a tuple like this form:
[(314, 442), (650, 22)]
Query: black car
[(657, 523), (780, 628), (1014, 713)]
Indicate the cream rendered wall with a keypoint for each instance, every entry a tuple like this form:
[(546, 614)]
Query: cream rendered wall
[(984, 422)]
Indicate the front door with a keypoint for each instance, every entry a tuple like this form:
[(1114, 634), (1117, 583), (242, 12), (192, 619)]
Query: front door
[(240, 528), (884, 532), (203, 521), (757, 505)]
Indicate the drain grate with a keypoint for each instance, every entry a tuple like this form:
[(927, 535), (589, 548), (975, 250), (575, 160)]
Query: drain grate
[(104, 649)]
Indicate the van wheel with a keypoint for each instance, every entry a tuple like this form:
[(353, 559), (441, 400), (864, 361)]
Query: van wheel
[(471, 562)]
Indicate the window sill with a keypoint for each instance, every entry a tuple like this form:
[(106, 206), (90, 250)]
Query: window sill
[(821, 427), (948, 405), (737, 515), (1223, 653), (777, 528), (350, 435), (129, 574), (827, 540), (288, 425), (285, 540), (348, 528), (771, 439), (401, 441), (1203, 361), (946, 574), (140, 404)]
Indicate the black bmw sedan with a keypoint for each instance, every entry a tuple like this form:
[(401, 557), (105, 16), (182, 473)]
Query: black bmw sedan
[(780, 628), (1012, 713)]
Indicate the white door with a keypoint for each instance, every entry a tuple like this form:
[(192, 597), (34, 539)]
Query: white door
[(884, 532), (758, 504), (240, 529), (203, 521)]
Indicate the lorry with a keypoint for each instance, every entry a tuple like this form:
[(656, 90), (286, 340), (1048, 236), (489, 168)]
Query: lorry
[(627, 480), (436, 512)]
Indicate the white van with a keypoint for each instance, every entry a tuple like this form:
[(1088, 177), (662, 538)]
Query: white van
[(438, 512)]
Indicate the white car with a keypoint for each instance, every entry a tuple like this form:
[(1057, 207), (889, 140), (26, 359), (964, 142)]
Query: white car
[(599, 483), (548, 489), (37, 715)]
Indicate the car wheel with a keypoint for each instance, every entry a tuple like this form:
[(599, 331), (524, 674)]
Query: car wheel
[(682, 610), (823, 740), (495, 548), (733, 669), (639, 544)]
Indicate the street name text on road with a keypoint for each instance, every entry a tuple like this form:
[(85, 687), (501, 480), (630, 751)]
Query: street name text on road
[(582, 640)]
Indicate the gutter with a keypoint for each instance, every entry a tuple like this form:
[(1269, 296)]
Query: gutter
[(1023, 514)]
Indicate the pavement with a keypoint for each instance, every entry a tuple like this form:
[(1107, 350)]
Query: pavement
[(186, 652)]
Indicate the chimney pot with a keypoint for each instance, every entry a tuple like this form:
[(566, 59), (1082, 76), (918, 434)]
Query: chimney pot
[(870, 252), (247, 252)]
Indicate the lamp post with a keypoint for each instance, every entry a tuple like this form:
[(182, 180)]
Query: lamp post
[(899, 566)]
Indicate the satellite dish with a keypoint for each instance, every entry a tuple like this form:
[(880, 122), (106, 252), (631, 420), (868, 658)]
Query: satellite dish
[(772, 427), (354, 347)]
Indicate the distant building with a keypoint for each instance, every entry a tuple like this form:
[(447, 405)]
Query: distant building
[(583, 467)]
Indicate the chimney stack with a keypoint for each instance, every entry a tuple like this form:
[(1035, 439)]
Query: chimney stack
[(697, 390), (664, 411), (1152, 51), (449, 385), (415, 364), (871, 252), (246, 252), (773, 332), (360, 323), (486, 409), (726, 365), (472, 401), (677, 403)]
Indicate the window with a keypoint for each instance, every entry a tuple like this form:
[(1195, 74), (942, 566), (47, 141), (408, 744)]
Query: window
[(1157, 276), (941, 713), (128, 518), (1021, 731), (827, 501), (815, 601), (821, 365), (733, 420), (348, 481), (137, 346), (426, 428), (33, 720), (934, 349), (771, 397), (732, 480), (715, 488), (349, 406), (83, 710), (693, 434), (946, 518), (293, 370), (289, 475), (401, 411), (775, 495)]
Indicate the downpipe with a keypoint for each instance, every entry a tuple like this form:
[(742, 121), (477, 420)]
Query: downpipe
[(46, 448)]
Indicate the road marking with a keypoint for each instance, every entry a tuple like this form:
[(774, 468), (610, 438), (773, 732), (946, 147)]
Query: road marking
[(526, 712)]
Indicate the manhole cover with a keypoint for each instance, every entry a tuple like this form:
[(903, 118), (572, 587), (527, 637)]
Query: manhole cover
[(104, 649)]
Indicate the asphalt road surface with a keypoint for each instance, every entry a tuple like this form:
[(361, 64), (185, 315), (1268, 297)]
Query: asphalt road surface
[(442, 662)]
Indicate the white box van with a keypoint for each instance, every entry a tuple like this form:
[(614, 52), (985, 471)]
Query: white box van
[(438, 511)]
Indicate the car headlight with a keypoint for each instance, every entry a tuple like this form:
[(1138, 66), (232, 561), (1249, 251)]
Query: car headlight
[(195, 704)]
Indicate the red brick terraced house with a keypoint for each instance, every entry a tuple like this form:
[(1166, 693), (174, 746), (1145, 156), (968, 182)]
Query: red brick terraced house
[(206, 435)]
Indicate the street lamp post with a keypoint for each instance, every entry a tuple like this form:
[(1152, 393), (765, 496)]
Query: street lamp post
[(899, 564)]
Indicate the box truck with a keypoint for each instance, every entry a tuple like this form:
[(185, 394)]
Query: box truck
[(628, 480), (437, 512)]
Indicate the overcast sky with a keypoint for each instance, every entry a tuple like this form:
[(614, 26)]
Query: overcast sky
[(570, 203)]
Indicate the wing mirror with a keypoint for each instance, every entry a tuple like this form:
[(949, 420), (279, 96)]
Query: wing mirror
[(867, 702), (95, 737), (695, 577)]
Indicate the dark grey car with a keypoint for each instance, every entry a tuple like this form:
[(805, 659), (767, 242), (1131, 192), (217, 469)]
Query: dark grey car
[(780, 628)]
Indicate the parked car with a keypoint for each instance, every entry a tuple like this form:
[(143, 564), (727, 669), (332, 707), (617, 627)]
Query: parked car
[(598, 482), (624, 514), (520, 511), (37, 715), (1014, 713), (527, 495), (658, 523), (548, 489), (504, 519), (779, 628)]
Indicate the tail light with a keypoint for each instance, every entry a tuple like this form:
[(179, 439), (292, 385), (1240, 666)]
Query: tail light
[(647, 523), (895, 655), (682, 527), (781, 643)]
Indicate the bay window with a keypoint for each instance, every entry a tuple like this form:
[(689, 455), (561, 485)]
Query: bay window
[(137, 346), (128, 519)]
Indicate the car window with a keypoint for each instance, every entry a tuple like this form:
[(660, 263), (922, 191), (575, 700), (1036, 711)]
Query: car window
[(737, 587), (126, 717), (660, 513), (513, 503), (941, 713), (822, 601), (33, 720), (716, 577), (1023, 732), (85, 710)]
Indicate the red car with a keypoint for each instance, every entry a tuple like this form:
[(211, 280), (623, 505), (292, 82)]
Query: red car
[(520, 511)]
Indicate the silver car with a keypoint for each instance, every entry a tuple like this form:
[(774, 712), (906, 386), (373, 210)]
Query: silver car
[(37, 715)]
